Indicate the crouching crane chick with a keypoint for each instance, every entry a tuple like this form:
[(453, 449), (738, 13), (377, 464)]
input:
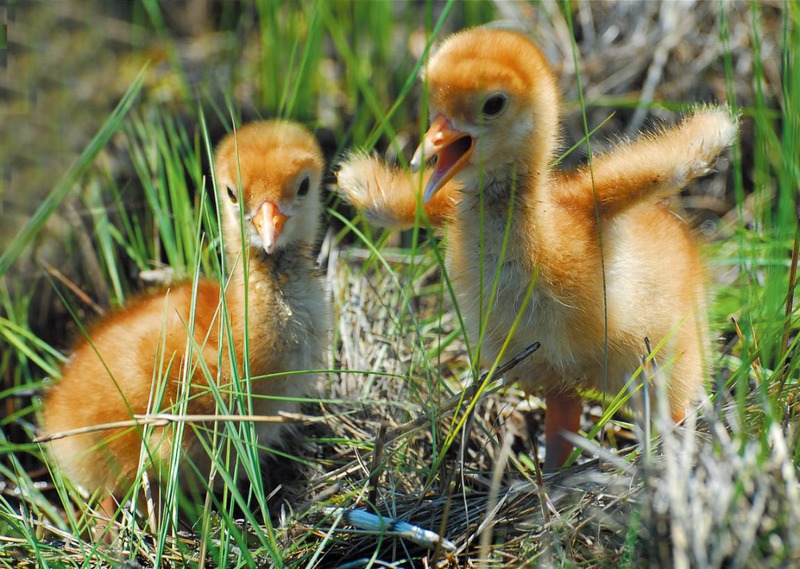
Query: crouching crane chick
[(162, 352), (612, 265)]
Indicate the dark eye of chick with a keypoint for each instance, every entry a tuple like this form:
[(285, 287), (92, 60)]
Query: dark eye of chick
[(232, 194), (494, 105), (304, 186)]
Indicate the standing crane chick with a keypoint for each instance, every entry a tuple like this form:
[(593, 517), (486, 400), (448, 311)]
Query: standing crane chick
[(165, 349), (613, 266)]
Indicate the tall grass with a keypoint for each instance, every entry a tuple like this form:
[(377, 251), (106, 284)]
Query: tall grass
[(354, 58), (764, 290)]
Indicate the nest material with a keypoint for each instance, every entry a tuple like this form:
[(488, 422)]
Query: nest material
[(701, 499)]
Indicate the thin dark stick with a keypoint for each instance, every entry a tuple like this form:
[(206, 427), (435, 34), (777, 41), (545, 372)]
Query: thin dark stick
[(75, 289), (646, 376), (375, 468)]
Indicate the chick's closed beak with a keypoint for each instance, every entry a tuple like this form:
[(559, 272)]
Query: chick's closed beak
[(453, 148), (268, 221)]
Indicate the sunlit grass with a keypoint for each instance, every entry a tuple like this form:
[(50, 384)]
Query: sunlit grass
[(174, 226)]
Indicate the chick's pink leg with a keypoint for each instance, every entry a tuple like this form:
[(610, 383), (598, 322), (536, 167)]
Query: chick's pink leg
[(564, 408)]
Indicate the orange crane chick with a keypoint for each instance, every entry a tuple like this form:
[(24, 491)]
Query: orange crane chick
[(164, 350), (612, 266)]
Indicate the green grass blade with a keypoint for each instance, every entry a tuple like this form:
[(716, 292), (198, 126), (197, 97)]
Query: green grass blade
[(66, 184)]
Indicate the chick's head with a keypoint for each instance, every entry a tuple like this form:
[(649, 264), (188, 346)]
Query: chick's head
[(268, 175), (493, 104)]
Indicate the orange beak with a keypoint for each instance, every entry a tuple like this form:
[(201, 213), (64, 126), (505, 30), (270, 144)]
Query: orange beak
[(453, 149), (269, 221)]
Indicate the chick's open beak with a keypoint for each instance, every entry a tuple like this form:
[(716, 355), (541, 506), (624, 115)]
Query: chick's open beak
[(453, 149), (269, 221)]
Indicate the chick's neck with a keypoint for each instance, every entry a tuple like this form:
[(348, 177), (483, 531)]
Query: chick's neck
[(289, 264), (510, 197), (276, 287)]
